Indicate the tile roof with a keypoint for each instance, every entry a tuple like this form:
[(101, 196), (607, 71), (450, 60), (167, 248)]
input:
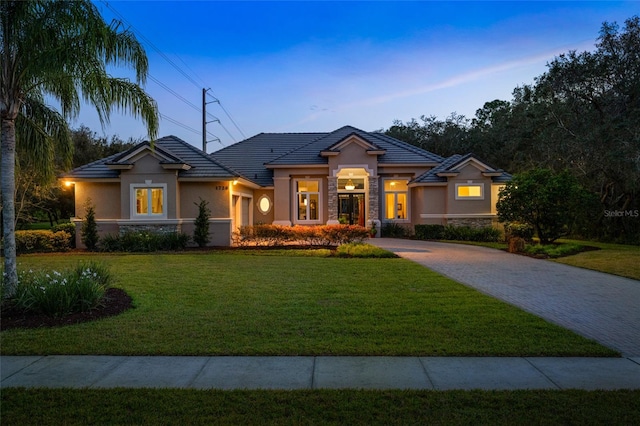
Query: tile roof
[(250, 156), (171, 147), (396, 151), (451, 164)]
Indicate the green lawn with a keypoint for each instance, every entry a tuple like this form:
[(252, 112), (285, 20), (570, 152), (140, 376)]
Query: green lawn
[(277, 303), (322, 407), (617, 259)]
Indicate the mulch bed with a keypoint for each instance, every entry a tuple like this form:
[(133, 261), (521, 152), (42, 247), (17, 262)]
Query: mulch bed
[(115, 302)]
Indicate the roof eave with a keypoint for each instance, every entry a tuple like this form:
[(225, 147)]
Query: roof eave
[(119, 166), (175, 166)]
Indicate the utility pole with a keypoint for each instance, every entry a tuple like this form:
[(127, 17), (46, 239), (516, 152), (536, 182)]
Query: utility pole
[(204, 119)]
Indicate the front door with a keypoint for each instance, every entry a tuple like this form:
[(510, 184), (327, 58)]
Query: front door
[(351, 209)]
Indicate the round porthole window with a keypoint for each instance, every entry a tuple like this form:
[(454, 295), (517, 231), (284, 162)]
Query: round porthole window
[(264, 204)]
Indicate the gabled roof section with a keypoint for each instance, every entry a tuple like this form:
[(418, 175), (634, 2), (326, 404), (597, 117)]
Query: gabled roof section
[(395, 151), (254, 157), (451, 167), (172, 153), (349, 139), (126, 159)]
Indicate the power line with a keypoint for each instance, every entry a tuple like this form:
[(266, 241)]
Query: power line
[(153, 46), (229, 115), (184, 126), (174, 93), (184, 74)]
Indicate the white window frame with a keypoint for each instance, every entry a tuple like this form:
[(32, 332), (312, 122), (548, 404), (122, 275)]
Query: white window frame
[(148, 216), (481, 197), (395, 201), (296, 195)]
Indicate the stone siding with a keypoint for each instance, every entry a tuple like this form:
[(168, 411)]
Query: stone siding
[(374, 205), (154, 228), (332, 201), (472, 222)]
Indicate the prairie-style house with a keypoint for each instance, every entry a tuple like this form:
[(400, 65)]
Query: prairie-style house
[(347, 176)]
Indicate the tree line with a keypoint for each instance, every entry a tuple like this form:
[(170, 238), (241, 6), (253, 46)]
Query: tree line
[(581, 117), (41, 199)]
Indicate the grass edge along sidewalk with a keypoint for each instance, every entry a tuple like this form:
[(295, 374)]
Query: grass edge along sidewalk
[(173, 406), (288, 303)]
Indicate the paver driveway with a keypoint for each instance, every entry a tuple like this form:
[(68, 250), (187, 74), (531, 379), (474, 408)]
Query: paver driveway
[(600, 306)]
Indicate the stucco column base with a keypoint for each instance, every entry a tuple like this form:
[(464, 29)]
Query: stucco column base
[(333, 222)]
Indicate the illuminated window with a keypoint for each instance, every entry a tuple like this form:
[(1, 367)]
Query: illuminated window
[(264, 204), (396, 193), (308, 200), (469, 192), (148, 201)]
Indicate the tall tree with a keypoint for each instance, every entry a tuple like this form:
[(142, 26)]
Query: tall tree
[(59, 50)]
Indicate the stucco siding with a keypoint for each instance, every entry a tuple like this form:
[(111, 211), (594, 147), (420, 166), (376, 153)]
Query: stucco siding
[(148, 170), (469, 175), (353, 155), (219, 231), (430, 204), (215, 193), (105, 197), (282, 203), (258, 216)]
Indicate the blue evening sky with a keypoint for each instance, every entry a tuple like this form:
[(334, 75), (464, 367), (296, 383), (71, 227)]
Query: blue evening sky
[(298, 66)]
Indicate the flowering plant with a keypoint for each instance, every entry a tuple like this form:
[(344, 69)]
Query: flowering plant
[(56, 293)]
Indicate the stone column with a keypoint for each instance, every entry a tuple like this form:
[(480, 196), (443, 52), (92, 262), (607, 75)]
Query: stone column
[(374, 204), (332, 201)]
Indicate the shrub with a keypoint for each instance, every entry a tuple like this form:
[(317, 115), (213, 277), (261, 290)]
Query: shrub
[(89, 228), (145, 242), (549, 202), (519, 230), (277, 235), (42, 241), (362, 250), (467, 233), (69, 228), (394, 230), (310, 235), (342, 234), (429, 232), (60, 293), (201, 231), (553, 250)]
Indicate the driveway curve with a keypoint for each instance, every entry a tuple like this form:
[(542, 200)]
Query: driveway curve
[(596, 305)]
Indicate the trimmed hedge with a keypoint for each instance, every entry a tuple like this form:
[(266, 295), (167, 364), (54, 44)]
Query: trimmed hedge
[(144, 242), (429, 232), (457, 233), (69, 228), (395, 230), (277, 235), (42, 241)]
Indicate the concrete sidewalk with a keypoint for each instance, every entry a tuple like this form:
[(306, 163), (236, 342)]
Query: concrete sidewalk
[(292, 373)]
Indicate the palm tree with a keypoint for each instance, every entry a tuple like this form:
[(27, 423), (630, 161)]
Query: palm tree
[(58, 50)]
